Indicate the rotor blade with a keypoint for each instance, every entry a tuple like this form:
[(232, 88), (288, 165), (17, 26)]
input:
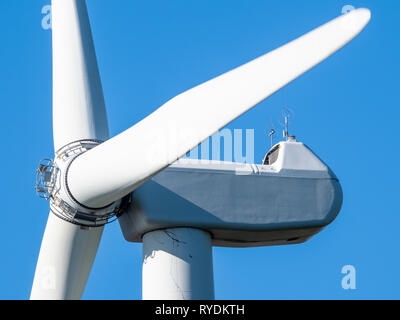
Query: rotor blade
[(65, 260), (78, 103), (67, 251), (118, 166)]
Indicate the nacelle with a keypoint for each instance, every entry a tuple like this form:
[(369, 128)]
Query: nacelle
[(286, 201)]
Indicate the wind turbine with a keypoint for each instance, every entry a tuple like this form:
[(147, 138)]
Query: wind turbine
[(92, 177)]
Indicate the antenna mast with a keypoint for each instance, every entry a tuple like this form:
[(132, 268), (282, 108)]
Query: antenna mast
[(271, 135), (287, 113)]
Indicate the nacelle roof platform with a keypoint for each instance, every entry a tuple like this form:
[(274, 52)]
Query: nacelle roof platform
[(241, 205)]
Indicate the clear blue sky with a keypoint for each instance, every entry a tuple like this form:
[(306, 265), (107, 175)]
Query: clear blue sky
[(149, 51)]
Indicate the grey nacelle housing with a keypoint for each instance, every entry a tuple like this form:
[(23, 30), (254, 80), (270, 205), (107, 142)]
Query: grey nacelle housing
[(241, 205)]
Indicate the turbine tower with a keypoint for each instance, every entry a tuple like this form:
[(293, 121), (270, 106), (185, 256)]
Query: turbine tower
[(179, 210)]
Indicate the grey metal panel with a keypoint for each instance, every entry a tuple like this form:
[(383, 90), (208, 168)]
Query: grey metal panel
[(258, 208)]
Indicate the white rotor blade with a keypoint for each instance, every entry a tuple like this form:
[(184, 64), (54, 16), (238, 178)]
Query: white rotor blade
[(67, 251), (65, 260), (115, 168), (78, 103)]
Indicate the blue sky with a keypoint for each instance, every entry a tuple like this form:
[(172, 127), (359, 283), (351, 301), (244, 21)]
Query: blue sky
[(149, 51)]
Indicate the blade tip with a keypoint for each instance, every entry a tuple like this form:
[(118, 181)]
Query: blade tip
[(364, 14)]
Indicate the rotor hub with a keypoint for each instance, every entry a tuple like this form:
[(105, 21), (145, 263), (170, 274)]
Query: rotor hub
[(51, 184)]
